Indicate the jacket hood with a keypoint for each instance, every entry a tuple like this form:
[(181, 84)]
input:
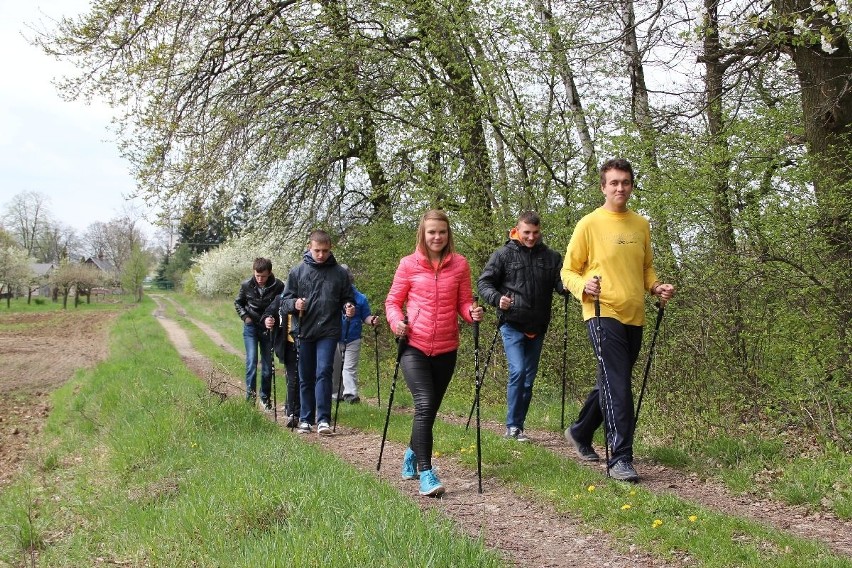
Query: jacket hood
[(331, 261)]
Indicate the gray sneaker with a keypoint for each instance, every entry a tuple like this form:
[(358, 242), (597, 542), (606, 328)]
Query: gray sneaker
[(585, 451), (515, 433), (623, 471), (303, 428)]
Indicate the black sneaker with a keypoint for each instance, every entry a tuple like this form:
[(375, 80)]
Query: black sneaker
[(292, 421), (623, 471), (585, 451), (352, 398), (266, 406)]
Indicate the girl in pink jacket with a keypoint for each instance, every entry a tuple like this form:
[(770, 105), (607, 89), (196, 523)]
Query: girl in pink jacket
[(434, 285)]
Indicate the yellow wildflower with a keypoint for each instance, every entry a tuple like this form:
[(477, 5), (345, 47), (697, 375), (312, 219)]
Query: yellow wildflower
[(590, 488), (656, 523), (692, 518), (625, 506)]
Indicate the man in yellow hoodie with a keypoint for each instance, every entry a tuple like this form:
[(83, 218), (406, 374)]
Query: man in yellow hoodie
[(609, 257)]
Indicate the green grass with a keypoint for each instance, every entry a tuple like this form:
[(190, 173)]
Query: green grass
[(140, 466)]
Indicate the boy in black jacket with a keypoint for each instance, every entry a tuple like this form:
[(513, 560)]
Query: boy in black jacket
[(254, 297)]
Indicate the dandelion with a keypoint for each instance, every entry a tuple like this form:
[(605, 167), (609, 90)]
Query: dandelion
[(633, 493), (656, 523), (436, 454), (692, 518), (625, 506), (590, 488)]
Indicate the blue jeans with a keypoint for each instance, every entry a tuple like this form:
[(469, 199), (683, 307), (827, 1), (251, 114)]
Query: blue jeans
[(254, 338), (522, 355), (316, 361)]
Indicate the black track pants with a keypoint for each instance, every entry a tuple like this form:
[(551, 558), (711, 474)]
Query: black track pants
[(612, 396)]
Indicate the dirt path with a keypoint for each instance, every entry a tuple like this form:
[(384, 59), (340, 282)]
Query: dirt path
[(497, 514), (218, 380)]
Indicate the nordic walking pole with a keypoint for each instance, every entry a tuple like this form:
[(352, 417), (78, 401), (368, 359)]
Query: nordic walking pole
[(476, 400), (340, 385), (481, 377), (272, 358), (298, 345), (661, 306), (401, 342), (564, 360), (599, 353), (376, 344)]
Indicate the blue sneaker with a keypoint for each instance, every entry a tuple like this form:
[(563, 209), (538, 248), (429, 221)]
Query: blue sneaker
[(430, 486), (409, 465)]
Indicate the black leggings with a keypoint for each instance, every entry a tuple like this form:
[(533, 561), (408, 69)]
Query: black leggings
[(427, 379)]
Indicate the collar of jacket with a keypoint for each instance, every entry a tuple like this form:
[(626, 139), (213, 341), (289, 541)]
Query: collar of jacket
[(330, 261), (423, 260)]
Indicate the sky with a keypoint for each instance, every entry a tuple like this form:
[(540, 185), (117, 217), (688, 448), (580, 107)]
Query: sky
[(63, 150)]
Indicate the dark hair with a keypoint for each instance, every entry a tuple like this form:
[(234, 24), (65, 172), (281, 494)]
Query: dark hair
[(530, 218), (616, 164), (434, 215), (320, 237), (262, 264)]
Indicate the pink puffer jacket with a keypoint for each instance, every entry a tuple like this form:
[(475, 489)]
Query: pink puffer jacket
[(433, 301)]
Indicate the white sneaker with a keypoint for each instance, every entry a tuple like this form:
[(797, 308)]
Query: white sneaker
[(323, 429), (303, 428)]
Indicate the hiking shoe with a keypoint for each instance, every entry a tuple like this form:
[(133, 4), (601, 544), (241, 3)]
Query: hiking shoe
[(585, 451), (514, 433), (352, 398), (292, 421), (303, 428), (409, 465), (430, 485), (266, 406), (623, 471), (323, 429)]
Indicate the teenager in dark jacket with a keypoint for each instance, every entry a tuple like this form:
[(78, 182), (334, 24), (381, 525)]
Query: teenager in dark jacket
[(318, 290), (254, 297), (520, 279)]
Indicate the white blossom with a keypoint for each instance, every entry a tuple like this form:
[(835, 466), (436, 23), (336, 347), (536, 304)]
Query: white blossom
[(826, 45)]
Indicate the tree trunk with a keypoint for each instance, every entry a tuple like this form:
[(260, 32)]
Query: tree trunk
[(578, 115), (825, 79), (441, 38), (640, 105), (720, 166)]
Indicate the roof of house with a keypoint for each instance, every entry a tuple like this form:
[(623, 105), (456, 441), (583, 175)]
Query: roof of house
[(101, 263), (42, 268)]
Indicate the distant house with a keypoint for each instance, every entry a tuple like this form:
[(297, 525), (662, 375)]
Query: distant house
[(101, 264), (42, 271)]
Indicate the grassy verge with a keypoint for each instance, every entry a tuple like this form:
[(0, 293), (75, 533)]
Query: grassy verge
[(139, 466)]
